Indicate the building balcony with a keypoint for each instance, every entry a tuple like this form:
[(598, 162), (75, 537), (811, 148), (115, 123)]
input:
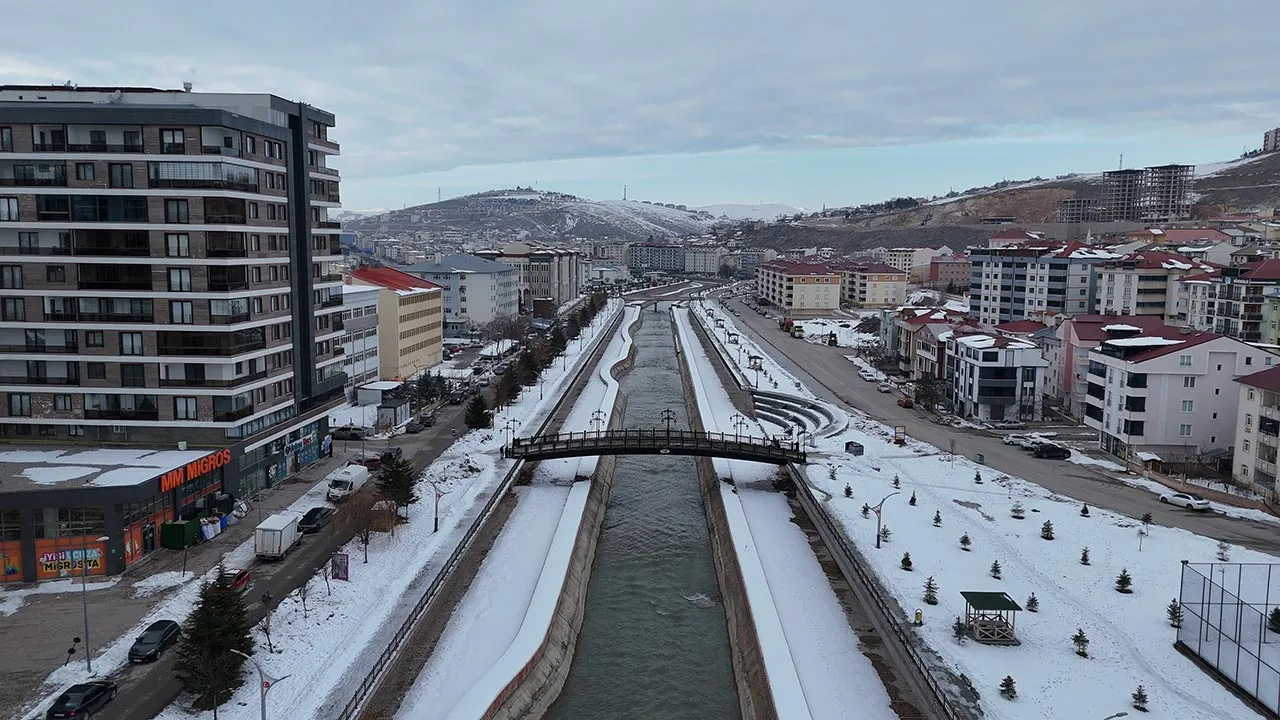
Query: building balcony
[(326, 225), (114, 284), (49, 147), (333, 300), (225, 219), (333, 197), (322, 142), (173, 149), (229, 319), (988, 399), (39, 349), (202, 185), (232, 415), (58, 250), (102, 414), (24, 380), (226, 248), (219, 150), (98, 317), (113, 148), (212, 382), (33, 182), (228, 285), (338, 325), (331, 277), (323, 170)]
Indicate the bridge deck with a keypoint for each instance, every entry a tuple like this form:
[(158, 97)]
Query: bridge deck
[(656, 442)]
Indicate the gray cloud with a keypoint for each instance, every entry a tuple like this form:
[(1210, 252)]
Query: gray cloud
[(418, 87)]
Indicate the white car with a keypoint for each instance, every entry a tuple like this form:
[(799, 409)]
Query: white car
[(1186, 500), (1013, 439), (885, 387), (868, 376)]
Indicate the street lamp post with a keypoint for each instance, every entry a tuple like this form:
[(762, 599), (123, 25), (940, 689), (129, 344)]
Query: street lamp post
[(438, 493), (668, 416), (598, 420), (879, 506), (509, 429), (84, 595), (265, 682), (739, 421)]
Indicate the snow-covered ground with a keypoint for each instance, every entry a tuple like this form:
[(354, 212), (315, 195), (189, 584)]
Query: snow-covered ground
[(1131, 642), (324, 652), (1205, 170), (506, 612), (741, 211), (817, 331), (812, 656), (12, 600)]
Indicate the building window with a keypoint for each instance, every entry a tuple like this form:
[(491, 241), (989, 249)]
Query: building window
[(1188, 406), (1248, 360), (253, 211), (1184, 430), (11, 277), (96, 371), (120, 175), (173, 142), (177, 245), (1184, 361), (75, 430), (179, 280), (184, 408), (19, 405), (131, 343), (250, 145), (1244, 445), (1188, 381), (176, 211), (132, 375), (61, 402), (6, 139), (181, 312), (55, 273), (8, 208), (84, 171), (1244, 472), (94, 338), (14, 309)]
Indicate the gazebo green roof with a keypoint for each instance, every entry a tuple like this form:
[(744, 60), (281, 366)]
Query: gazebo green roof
[(995, 601)]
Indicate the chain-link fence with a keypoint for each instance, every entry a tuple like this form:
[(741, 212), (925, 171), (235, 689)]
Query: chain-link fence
[(1225, 609)]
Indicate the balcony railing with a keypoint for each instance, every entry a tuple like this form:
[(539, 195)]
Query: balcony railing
[(326, 225), (24, 380), (228, 285), (174, 149), (104, 148), (234, 219), (338, 325), (49, 147), (232, 415), (203, 185), (229, 319), (43, 250), (323, 170), (219, 150), (226, 249), (212, 382), (39, 348), (331, 277), (333, 197), (33, 182), (75, 316), (101, 414), (227, 351), (332, 301), (114, 284), (96, 250)]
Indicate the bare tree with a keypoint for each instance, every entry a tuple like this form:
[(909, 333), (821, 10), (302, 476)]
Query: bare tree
[(303, 592), (324, 573), (264, 625), (387, 512), (512, 327), (359, 515)]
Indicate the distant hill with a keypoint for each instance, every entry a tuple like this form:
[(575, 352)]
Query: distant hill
[(539, 215), (741, 211)]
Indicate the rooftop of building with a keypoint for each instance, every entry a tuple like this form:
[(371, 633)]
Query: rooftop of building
[(53, 468), (1021, 327), (1015, 234), (1183, 236), (796, 267), (1160, 260), (1268, 379), (401, 283), (1092, 327), (460, 264), (1261, 271), (1152, 342), (979, 339)]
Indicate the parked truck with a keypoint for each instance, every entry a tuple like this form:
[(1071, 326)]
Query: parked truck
[(276, 536), (346, 481)]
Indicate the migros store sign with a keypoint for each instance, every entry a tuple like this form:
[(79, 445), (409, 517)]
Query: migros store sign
[(194, 469)]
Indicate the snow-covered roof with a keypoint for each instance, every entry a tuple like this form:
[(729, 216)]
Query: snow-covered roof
[(102, 467), (1121, 328), (1147, 341), (382, 385)]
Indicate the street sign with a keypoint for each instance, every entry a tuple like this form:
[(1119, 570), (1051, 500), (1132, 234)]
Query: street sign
[(339, 567)]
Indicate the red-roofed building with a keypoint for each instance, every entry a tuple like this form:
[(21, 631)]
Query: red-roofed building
[(1013, 236), (1145, 283), (1167, 391), (872, 284), (993, 377), (1258, 430), (949, 272), (799, 289), (1031, 279), (913, 336), (1068, 357), (410, 321), (1236, 301)]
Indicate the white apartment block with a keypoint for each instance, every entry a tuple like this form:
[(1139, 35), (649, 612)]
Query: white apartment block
[(703, 260), (873, 285), (913, 260), (1030, 280), (359, 339), (1258, 430), (993, 378), (542, 272), (799, 289), (1168, 391), (1145, 283), (475, 291)]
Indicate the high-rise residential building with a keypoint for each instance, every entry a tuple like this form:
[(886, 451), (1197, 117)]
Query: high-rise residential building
[(871, 284), (543, 273), (798, 289), (703, 260), (1161, 193), (1031, 280), (648, 257), (410, 321), (1145, 283), (476, 291), (359, 339), (992, 377), (1121, 193), (165, 288)]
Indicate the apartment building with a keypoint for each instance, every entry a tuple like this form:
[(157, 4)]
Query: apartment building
[(475, 291), (359, 341), (1167, 391), (410, 321), (914, 261), (1257, 430), (703, 260), (650, 257), (1271, 140), (751, 258), (612, 253), (545, 273), (798, 289), (948, 271), (1013, 236), (871, 284), (992, 378), (1159, 193), (1145, 283), (1233, 300), (1031, 280), (905, 335), (1077, 336)]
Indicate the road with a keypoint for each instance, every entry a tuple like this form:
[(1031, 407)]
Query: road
[(145, 690), (832, 377)]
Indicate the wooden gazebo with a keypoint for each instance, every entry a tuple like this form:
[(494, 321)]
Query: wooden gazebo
[(991, 617)]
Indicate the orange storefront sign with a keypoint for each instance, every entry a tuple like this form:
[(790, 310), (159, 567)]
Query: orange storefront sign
[(194, 469)]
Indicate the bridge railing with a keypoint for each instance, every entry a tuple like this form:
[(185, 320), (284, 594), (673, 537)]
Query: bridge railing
[(649, 439)]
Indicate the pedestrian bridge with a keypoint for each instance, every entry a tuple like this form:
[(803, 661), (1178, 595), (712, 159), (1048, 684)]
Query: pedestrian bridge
[(656, 442)]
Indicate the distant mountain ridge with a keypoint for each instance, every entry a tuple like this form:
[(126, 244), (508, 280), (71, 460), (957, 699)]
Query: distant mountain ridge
[(743, 211)]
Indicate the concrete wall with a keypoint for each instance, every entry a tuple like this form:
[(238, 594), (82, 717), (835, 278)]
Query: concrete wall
[(754, 698), (533, 691)]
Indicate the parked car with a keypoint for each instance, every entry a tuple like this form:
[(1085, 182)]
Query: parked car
[(391, 453), (427, 419), (456, 398), (1049, 451), (241, 580), (867, 375), (159, 636), (372, 462), (1009, 425), (81, 699), (483, 382), (315, 519), (1013, 439), (906, 402), (500, 369), (1186, 500), (413, 427), (350, 432), (884, 387)]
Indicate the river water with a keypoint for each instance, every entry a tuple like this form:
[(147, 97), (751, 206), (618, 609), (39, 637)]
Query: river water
[(653, 641)]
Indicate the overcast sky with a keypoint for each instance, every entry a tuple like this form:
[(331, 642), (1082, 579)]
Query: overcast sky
[(699, 101)]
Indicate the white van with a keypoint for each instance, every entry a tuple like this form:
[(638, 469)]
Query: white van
[(345, 481)]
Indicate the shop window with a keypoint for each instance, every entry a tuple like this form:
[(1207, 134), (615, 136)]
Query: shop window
[(70, 522), (10, 529)]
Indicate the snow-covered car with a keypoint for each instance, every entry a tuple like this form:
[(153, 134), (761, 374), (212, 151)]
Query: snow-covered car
[(1186, 500), (1013, 439)]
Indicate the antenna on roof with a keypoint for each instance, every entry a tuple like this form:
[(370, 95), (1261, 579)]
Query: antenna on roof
[(186, 87), (1121, 161)]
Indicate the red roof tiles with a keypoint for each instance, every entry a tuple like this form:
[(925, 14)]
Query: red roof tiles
[(1267, 379), (392, 279)]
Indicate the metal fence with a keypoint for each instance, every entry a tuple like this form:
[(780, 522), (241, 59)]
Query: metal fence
[(1225, 608)]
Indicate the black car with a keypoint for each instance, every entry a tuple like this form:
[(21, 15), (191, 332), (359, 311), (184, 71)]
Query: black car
[(1052, 452), (456, 399), (80, 700), (427, 419), (160, 635), (315, 519), (350, 432), (413, 427), (391, 453)]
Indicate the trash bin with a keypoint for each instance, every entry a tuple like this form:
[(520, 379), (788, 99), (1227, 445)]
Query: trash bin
[(981, 459)]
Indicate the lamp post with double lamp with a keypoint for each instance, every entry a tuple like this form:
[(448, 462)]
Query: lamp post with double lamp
[(739, 421), (668, 417), (598, 419), (509, 429), (438, 493), (265, 682), (84, 595)]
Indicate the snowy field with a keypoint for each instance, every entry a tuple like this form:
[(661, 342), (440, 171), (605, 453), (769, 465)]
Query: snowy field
[(348, 623), (817, 332), (1131, 642)]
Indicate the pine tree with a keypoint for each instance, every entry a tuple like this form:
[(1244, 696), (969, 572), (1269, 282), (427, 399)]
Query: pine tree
[(1224, 551), (1084, 556), (995, 569), (848, 490), (1146, 518), (1007, 689), (930, 591), (906, 562), (526, 368), (965, 542), (977, 477), (218, 624), (937, 518), (866, 510), (1124, 583), (1017, 511), (1139, 697), (1046, 530), (558, 343), (896, 482), (959, 630), (1033, 603), (1273, 620), (477, 414), (1175, 613), (1081, 641), (885, 532), (396, 481), (912, 501), (1084, 510)]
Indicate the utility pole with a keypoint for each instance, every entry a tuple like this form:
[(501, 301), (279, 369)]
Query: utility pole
[(265, 682)]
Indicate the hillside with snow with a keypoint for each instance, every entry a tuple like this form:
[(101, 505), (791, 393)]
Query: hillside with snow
[(539, 215), (743, 211)]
